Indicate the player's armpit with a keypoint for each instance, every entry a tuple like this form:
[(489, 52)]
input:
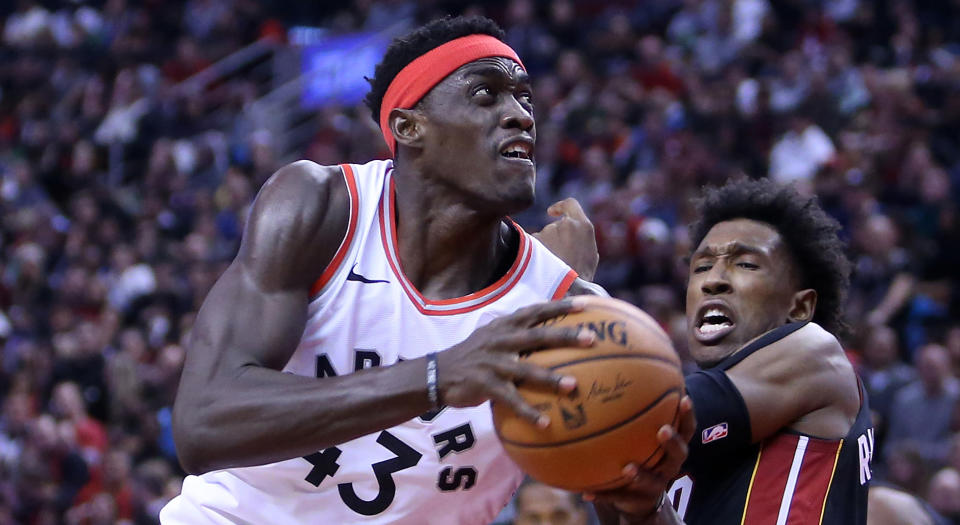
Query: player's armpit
[(802, 381)]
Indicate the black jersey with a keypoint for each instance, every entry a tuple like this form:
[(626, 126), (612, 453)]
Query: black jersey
[(787, 479)]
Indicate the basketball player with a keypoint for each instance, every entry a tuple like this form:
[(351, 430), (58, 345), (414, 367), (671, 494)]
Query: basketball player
[(539, 504), (339, 370), (784, 432)]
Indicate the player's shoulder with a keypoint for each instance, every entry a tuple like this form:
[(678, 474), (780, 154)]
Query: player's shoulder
[(302, 194), (301, 180), (299, 217), (837, 380), (816, 339), (809, 355)]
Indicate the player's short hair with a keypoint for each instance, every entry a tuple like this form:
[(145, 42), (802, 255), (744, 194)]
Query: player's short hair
[(809, 233), (407, 48)]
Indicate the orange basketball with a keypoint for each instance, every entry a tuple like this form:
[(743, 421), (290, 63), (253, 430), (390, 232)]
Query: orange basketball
[(629, 384)]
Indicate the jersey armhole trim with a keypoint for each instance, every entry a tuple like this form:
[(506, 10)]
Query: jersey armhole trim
[(564, 285), (331, 270), (764, 340)]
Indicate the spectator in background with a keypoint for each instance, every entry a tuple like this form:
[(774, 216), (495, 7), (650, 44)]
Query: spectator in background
[(953, 349), (944, 494), (51, 469), (883, 375), (884, 277), (923, 412), (90, 435), (801, 151), (539, 504)]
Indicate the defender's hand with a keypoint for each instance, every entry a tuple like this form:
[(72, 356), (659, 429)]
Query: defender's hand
[(571, 237), (638, 501), (487, 364)]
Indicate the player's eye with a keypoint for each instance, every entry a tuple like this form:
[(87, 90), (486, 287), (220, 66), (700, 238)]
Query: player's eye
[(748, 265), (700, 268), (526, 97), (482, 91)]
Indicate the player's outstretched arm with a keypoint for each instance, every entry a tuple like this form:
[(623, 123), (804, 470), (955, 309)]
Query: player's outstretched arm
[(802, 381), (236, 408)]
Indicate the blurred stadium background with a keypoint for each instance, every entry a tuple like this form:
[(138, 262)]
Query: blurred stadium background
[(134, 134)]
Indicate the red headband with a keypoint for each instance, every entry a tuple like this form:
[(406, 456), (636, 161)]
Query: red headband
[(427, 70)]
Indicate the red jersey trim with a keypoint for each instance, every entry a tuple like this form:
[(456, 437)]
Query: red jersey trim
[(791, 481), (457, 305), (753, 478), (564, 286), (338, 257), (833, 472)]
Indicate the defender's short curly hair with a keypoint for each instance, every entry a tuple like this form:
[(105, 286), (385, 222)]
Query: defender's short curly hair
[(406, 49), (809, 233)]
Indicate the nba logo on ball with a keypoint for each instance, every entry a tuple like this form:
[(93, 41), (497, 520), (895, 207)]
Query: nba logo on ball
[(714, 433)]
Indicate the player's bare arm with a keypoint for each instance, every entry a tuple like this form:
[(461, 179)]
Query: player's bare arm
[(803, 381), (236, 408)]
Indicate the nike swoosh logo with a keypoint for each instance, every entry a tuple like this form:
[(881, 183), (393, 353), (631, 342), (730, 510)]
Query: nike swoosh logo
[(354, 276)]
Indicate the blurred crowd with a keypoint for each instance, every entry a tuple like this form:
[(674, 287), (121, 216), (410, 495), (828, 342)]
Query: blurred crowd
[(123, 195)]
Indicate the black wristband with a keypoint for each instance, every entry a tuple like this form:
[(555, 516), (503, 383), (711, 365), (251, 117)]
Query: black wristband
[(432, 393)]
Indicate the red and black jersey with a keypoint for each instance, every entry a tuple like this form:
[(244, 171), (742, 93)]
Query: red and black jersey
[(787, 479)]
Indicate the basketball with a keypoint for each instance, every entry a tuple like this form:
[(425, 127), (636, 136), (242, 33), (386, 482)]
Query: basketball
[(629, 384)]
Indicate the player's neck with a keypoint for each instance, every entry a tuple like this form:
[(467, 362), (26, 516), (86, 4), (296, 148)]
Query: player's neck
[(447, 249)]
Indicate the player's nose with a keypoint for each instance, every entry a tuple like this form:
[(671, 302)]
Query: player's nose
[(516, 116), (716, 282)]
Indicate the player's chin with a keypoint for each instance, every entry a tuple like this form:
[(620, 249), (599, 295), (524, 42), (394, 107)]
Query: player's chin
[(514, 196), (516, 203), (709, 355)]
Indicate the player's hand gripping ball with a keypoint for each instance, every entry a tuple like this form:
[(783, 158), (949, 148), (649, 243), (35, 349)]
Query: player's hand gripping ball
[(629, 384)]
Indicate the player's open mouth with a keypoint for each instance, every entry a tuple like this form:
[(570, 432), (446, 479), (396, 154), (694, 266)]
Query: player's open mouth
[(714, 322), (518, 149)]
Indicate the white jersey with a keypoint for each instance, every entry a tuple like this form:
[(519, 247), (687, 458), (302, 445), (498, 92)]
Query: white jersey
[(440, 468)]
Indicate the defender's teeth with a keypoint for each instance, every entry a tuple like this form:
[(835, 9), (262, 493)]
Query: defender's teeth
[(709, 328)]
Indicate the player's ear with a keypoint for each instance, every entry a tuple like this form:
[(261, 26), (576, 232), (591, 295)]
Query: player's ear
[(803, 306), (407, 126)]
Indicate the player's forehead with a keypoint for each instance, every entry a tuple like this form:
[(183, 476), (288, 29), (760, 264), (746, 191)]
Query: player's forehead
[(740, 236), (489, 68), (539, 497)]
